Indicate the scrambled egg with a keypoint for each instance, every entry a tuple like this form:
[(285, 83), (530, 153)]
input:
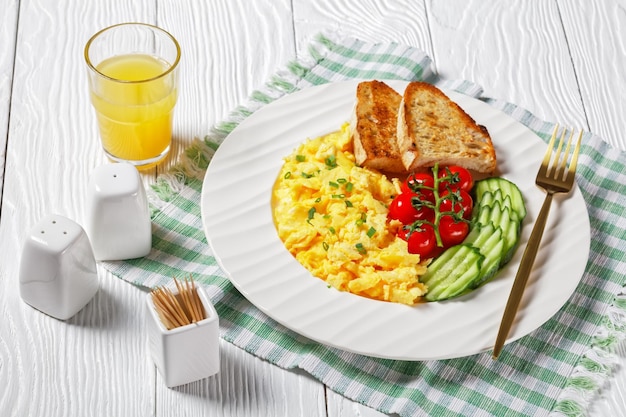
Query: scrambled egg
[(332, 216)]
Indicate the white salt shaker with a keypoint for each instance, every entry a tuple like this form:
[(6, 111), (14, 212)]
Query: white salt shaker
[(58, 274), (118, 216), (188, 353)]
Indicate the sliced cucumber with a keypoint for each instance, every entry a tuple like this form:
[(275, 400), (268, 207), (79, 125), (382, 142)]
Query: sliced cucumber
[(489, 198), (488, 240), (490, 214), (507, 188), (499, 210), (453, 272), (503, 218), (510, 238)]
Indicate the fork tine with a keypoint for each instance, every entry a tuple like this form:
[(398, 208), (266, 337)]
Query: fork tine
[(545, 164), (572, 166), (560, 163), (559, 148)]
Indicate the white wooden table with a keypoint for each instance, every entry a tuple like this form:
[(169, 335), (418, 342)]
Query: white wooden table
[(563, 60)]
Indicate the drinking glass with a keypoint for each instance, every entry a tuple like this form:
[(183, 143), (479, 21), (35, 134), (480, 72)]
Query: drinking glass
[(133, 85)]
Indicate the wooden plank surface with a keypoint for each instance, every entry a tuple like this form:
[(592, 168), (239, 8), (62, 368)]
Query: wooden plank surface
[(370, 20), (595, 36), (8, 31), (522, 58), (227, 54), (562, 60)]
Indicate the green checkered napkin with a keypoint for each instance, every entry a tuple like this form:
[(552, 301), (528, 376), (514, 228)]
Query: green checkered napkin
[(557, 369)]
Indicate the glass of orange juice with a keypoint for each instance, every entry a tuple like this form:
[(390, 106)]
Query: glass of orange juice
[(133, 84)]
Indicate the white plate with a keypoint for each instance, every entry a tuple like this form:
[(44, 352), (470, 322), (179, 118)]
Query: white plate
[(237, 219)]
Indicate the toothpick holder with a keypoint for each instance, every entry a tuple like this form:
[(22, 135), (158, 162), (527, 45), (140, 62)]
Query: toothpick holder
[(188, 353), (118, 215), (58, 274)]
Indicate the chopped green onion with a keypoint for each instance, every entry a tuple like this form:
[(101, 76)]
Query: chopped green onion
[(325, 246), (300, 158), (338, 196), (318, 199), (305, 175), (333, 184), (342, 180), (311, 213), (349, 187), (349, 203), (359, 246), (331, 162), (331, 230), (371, 232)]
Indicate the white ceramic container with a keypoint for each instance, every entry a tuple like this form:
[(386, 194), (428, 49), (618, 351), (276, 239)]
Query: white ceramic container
[(118, 215), (188, 353), (58, 274)]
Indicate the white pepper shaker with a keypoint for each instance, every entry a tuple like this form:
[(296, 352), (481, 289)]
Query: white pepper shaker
[(118, 215), (58, 274)]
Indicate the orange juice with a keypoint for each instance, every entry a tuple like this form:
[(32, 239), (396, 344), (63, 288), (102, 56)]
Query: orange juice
[(134, 104)]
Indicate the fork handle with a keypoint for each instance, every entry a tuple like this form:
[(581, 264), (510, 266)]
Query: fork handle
[(519, 284)]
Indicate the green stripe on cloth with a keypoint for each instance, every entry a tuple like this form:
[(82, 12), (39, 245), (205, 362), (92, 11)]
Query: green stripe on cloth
[(555, 370)]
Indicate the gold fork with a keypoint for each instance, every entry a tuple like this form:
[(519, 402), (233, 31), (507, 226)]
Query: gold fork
[(554, 178)]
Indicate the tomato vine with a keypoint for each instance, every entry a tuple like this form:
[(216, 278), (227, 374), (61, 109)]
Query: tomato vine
[(434, 209)]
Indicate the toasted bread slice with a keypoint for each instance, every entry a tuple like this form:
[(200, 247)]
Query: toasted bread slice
[(434, 129), (374, 127)]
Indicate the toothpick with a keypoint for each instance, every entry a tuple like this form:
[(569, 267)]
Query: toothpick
[(178, 311)]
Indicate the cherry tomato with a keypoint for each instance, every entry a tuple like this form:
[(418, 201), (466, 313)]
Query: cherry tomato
[(423, 179), (422, 241), (463, 203), (460, 179), (452, 232), (424, 210), (425, 213), (402, 209)]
